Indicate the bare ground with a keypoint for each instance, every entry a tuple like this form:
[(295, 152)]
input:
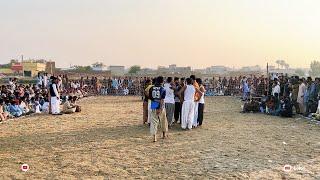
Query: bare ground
[(108, 141)]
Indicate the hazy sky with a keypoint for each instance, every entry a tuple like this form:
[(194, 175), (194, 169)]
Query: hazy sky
[(195, 33)]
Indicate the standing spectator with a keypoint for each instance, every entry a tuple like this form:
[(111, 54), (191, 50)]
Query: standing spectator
[(55, 97), (201, 102), (295, 91), (177, 100), (301, 94), (169, 87), (158, 114)]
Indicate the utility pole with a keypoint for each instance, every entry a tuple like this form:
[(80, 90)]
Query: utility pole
[(268, 83), (22, 65)]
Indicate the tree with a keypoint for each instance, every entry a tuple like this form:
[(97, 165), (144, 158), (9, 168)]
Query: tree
[(286, 65), (299, 72), (282, 63), (134, 69), (315, 68), (98, 64), (6, 66), (278, 62), (82, 68)]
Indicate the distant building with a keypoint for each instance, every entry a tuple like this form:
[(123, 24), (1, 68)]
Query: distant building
[(217, 70), (50, 67), (32, 68), (147, 71), (173, 69), (117, 70), (6, 71), (282, 71), (99, 68), (251, 69), (200, 71), (17, 68), (183, 70)]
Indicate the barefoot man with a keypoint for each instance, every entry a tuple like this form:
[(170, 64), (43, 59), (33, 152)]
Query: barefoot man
[(158, 114)]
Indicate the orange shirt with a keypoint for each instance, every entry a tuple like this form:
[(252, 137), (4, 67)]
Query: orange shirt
[(197, 95)]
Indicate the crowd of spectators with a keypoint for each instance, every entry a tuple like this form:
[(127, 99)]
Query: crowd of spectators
[(280, 95), (20, 99), (277, 94)]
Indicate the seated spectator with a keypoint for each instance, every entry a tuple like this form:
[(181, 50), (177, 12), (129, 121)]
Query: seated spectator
[(6, 108), (273, 106), (36, 107), (270, 105), (14, 108), (78, 93), (251, 106), (3, 114), (45, 106), (104, 90), (125, 91), (68, 107), (74, 99), (24, 106), (263, 104), (316, 115), (286, 108)]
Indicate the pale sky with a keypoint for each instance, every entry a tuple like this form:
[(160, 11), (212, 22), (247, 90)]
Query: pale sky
[(197, 33)]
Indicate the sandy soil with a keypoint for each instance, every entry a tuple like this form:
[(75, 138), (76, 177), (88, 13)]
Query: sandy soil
[(108, 141)]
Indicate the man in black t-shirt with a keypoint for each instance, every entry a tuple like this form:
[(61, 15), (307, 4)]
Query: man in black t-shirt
[(177, 100)]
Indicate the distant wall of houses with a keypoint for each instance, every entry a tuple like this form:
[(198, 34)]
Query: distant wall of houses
[(77, 75)]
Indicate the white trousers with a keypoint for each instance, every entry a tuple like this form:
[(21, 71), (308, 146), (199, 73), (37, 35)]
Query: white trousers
[(55, 105), (195, 119), (187, 114), (149, 111)]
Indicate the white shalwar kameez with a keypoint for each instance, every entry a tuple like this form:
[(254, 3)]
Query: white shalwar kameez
[(55, 102), (187, 112), (195, 118)]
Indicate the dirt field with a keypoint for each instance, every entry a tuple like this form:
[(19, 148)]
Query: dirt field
[(108, 141)]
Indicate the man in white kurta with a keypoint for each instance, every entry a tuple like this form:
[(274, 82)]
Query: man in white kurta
[(302, 90), (169, 100), (187, 112)]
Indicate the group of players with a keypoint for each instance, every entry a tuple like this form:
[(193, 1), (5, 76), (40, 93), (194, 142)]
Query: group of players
[(173, 101)]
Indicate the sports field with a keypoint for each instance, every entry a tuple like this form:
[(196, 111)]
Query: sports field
[(108, 141)]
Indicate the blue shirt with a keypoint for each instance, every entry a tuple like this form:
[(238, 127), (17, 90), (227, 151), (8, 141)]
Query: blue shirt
[(313, 92), (115, 83), (246, 88), (15, 110), (157, 93)]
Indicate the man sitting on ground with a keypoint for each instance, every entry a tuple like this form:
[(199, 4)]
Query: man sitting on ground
[(73, 102), (68, 107), (3, 114), (251, 106), (286, 108)]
